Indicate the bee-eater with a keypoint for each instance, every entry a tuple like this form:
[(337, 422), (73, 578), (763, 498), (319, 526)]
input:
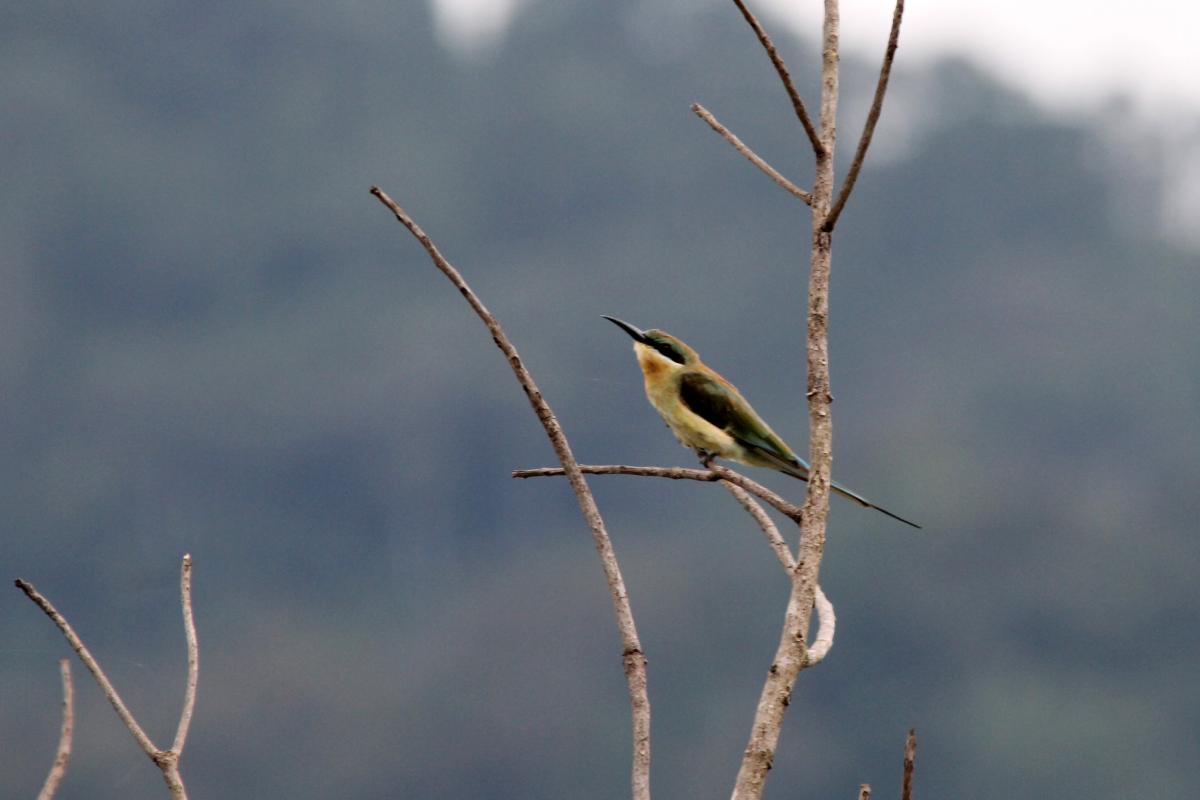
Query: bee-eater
[(708, 414)]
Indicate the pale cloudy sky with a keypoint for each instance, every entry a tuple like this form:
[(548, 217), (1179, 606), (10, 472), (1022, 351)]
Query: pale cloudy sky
[(1067, 52), (1071, 55)]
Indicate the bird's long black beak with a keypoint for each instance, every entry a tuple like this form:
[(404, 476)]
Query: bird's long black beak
[(634, 331)]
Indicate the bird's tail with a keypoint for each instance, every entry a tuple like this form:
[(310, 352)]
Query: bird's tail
[(865, 503), (800, 470)]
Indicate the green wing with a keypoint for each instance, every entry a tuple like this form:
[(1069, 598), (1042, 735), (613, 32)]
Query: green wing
[(719, 403)]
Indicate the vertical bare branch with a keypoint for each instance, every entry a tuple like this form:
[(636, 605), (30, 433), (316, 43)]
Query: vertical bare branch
[(753, 157), (59, 769), (633, 656), (791, 655), (864, 141), (193, 655), (910, 757), (784, 76), (148, 747)]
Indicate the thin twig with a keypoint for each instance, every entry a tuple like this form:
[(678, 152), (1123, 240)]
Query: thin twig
[(910, 757), (715, 473), (193, 655), (754, 158), (148, 747), (774, 538), (864, 792), (784, 75), (827, 621), (59, 769), (864, 141), (632, 655)]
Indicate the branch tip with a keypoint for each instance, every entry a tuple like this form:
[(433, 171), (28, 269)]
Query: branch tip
[(753, 157), (781, 69)]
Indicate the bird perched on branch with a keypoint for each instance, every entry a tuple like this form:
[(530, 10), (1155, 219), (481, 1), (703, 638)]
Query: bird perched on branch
[(708, 413)]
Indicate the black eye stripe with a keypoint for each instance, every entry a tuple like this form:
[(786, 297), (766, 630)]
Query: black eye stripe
[(668, 349)]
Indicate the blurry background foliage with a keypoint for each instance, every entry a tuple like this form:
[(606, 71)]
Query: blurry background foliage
[(213, 340)]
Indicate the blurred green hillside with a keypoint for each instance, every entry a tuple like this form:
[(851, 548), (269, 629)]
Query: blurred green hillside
[(213, 340)]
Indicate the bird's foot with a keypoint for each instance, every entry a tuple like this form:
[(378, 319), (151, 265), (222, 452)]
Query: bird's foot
[(706, 458)]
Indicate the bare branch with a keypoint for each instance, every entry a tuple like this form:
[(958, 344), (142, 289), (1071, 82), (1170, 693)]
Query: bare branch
[(827, 620), (59, 769), (167, 761), (774, 538), (864, 141), (784, 75), (754, 158), (715, 472), (791, 655), (632, 655), (148, 747), (910, 757), (193, 655), (864, 792), (673, 473)]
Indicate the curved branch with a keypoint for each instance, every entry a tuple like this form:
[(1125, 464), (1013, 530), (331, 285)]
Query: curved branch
[(632, 655), (827, 621), (864, 141), (59, 769), (753, 157), (785, 76)]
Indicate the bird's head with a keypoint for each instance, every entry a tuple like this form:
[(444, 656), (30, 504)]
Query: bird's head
[(654, 344)]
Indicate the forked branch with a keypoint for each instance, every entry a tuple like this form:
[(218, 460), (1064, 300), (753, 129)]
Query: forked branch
[(741, 488), (633, 656), (784, 76), (167, 761), (864, 141)]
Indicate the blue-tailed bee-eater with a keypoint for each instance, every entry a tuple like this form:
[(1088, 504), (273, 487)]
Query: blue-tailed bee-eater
[(708, 414)]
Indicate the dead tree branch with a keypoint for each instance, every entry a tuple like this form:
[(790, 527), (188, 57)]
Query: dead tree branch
[(167, 761), (778, 545), (715, 472), (753, 157), (63, 756), (632, 654), (193, 656), (864, 141), (784, 76), (910, 758)]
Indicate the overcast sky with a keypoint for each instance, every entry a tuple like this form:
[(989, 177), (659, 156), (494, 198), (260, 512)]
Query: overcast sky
[(1066, 51)]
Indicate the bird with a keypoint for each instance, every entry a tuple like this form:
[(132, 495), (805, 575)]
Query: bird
[(708, 414)]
